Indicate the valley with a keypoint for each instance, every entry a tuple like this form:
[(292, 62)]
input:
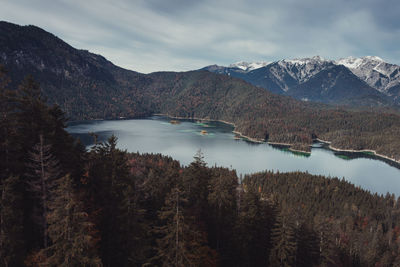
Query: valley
[(87, 86), (90, 176)]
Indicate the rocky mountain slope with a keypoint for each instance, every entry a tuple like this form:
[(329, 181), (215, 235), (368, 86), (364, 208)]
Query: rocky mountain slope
[(335, 84), (374, 71), (368, 81)]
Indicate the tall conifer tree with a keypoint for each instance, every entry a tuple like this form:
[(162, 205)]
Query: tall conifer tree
[(284, 244), (44, 170), (181, 244), (70, 231)]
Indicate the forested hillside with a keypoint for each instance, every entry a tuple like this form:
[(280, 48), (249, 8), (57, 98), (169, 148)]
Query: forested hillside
[(61, 205), (265, 116), (87, 86)]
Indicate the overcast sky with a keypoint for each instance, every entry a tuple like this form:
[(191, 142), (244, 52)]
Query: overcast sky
[(154, 35)]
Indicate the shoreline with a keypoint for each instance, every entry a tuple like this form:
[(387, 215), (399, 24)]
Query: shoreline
[(247, 137), (356, 151), (203, 119), (300, 151), (251, 139), (254, 140)]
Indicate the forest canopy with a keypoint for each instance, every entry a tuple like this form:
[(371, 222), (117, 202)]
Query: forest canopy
[(63, 205)]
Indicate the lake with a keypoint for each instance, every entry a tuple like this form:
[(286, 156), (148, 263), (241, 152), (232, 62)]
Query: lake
[(218, 144)]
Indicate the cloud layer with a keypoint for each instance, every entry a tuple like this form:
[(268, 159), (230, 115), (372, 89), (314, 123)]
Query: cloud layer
[(154, 35)]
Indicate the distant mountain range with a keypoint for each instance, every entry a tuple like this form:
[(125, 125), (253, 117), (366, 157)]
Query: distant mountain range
[(354, 81)]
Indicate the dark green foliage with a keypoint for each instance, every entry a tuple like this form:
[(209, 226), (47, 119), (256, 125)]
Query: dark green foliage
[(71, 233), (108, 175), (122, 209), (180, 242), (12, 247), (7, 126), (343, 221), (43, 172), (307, 246), (283, 252), (195, 183), (222, 213), (36, 148), (253, 229), (134, 229)]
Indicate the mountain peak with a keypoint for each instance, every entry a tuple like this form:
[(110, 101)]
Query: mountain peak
[(373, 70), (356, 62), (307, 60), (249, 66), (281, 75), (373, 58)]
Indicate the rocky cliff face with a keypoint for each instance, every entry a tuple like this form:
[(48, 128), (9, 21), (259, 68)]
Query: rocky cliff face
[(374, 71), (359, 81)]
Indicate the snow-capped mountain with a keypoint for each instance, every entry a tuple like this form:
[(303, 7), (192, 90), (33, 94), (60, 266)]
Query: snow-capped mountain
[(249, 66), (301, 70), (367, 79), (374, 71)]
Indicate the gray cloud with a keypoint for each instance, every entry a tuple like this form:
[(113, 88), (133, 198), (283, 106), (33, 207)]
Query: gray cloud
[(153, 35)]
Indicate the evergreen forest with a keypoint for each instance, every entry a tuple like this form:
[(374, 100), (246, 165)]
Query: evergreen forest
[(63, 205)]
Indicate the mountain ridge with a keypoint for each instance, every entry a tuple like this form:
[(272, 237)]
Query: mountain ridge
[(87, 86), (285, 75), (375, 71)]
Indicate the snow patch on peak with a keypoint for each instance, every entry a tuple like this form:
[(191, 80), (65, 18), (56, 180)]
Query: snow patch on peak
[(249, 66), (303, 61), (374, 71), (373, 58), (350, 62), (301, 70), (354, 62)]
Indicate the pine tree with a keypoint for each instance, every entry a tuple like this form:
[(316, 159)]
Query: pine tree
[(32, 112), (326, 245), (307, 253), (181, 244), (109, 179), (69, 229), (133, 228), (222, 212), (195, 181), (12, 247), (284, 245), (44, 170), (253, 229)]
